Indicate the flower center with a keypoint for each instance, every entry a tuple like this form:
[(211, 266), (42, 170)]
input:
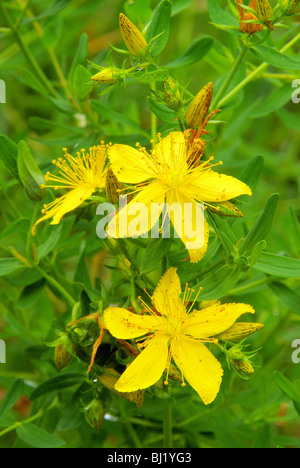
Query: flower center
[(174, 327)]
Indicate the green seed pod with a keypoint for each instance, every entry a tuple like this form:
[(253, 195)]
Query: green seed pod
[(94, 414), (62, 357), (243, 366)]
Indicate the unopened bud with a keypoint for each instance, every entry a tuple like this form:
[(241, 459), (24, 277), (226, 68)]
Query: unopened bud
[(109, 380), (197, 111), (132, 36), (106, 76), (239, 331), (243, 366), (113, 187), (172, 94), (264, 11), (62, 357), (94, 414), (288, 7)]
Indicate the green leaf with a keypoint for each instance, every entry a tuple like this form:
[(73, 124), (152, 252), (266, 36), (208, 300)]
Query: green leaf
[(277, 265), (149, 77), (275, 101), (159, 29), (217, 284), (162, 112), (8, 155), (251, 173), (80, 57), (106, 112), (179, 5), (30, 175), (287, 296), (57, 6), (261, 227), (9, 265), (196, 51), (275, 58), (31, 81), (37, 437), (154, 253), (219, 15), (289, 389), (57, 383), (12, 395), (294, 229), (138, 11), (80, 83), (31, 294)]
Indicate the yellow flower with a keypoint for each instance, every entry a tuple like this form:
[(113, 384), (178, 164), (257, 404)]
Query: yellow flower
[(174, 332), (170, 174), (81, 175)]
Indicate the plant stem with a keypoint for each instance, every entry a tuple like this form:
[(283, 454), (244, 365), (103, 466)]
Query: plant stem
[(51, 281), (19, 423), (153, 117), (226, 84), (256, 72), (129, 428), (167, 429), (32, 61)]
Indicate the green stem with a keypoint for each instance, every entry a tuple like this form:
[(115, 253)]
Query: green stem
[(32, 61), (129, 428), (19, 423), (248, 287), (51, 281), (167, 425), (226, 84), (255, 73), (133, 295), (153, 117)]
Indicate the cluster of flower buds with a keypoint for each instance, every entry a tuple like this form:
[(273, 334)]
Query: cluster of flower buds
[(172, 95)]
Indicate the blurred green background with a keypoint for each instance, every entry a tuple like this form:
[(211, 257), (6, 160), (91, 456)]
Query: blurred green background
[(261, 120)]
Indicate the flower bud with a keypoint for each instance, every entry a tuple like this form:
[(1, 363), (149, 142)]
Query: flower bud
[(172, 94), (243, 366), (106, 76), (94, 414), (264, 11), (239, 331), (62, 357), (132, 36), (249, 28), (109, 380), (288, 7), (197, 110), (113, 187)]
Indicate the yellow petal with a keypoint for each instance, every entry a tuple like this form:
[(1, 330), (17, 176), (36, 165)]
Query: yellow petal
[(189, 222), (171, 152), (214, 320), (198, 366), (140, 215), (147, 368), (66, 203), (130, 165), (210, 186), (125, 325), (166, 295)]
